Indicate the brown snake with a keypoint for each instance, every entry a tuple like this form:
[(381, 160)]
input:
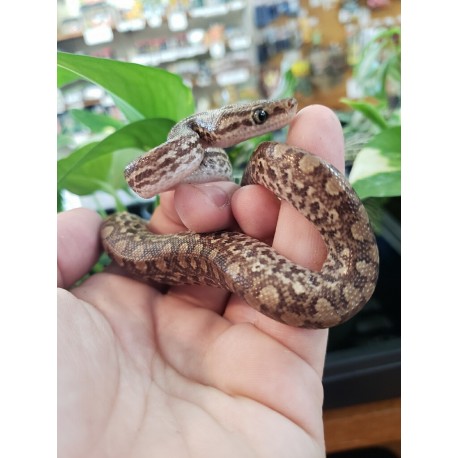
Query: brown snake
[(267, 281)]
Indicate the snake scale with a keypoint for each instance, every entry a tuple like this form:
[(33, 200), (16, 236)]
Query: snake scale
[(267, 281)]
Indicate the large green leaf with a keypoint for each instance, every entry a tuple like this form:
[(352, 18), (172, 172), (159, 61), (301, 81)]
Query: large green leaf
[(74, 160), (376, 171), (65, 76), (96, 122), (104, 173), (141, 135), (139, 91)]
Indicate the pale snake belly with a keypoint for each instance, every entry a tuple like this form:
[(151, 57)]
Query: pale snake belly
[(266, 280)]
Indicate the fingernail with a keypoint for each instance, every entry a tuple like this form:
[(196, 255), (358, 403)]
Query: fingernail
[(215, 194)]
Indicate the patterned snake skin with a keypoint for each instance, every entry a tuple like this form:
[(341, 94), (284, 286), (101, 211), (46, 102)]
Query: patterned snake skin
[(267, 281)]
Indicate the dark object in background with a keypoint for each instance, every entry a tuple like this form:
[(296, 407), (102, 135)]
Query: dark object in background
[(364, 453), (363, 362)]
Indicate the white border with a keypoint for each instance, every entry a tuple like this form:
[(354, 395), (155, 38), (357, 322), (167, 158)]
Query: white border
[(28, 165), (430, 235), (429, 229)]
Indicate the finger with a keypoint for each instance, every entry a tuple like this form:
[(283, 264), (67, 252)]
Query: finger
[(78, 244), (205, 207), (165, 219), (247, 202), (315, 129), (257, 211), (197, 207)]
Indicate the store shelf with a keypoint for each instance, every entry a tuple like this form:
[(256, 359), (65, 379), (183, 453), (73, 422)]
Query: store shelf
[(198, 17)]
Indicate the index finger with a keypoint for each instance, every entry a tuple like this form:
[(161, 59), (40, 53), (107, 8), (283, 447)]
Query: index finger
[(78, 244), (315, 129)]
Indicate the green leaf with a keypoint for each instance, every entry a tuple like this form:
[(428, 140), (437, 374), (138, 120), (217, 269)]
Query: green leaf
[(64, 141), (381, 57), (287, 86), (394, 68), (380, 185), (240, 154), (71, 162), (65, 76), (102, 174), (376, 171), (368, 110), (96, 122), (139, 91), (60, 201), (395, 118), (386, 35), (142, 135), (368, 64)]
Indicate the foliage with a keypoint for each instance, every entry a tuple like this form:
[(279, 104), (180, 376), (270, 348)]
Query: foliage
[(140, 92), (373, 130), (151, 101), (379, 68)]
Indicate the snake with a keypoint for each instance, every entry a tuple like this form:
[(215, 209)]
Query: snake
[(269, 282)]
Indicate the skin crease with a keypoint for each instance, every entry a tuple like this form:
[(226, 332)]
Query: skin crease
[(182, 374)]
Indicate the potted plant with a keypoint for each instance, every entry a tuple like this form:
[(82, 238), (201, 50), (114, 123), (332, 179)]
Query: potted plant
[(364, 354), (151, 101)]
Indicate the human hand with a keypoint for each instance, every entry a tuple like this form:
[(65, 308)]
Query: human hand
[(195, 371)]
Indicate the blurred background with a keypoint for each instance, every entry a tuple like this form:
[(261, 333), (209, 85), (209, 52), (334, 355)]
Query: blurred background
[(343, 54)]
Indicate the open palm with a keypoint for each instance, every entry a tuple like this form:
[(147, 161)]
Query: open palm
[(193, 371)]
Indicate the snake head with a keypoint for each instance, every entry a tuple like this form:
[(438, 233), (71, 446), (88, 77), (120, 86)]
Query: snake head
[(237, 123), (163, 167)]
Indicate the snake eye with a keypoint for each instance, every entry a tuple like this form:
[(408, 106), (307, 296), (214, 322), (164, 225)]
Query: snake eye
[(260, 116)]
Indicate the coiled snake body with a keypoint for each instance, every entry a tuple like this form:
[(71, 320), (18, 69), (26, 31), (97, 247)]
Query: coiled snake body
[(267, 281)]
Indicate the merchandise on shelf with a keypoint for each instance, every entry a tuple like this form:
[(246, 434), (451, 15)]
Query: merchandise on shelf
[(220, 44)]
